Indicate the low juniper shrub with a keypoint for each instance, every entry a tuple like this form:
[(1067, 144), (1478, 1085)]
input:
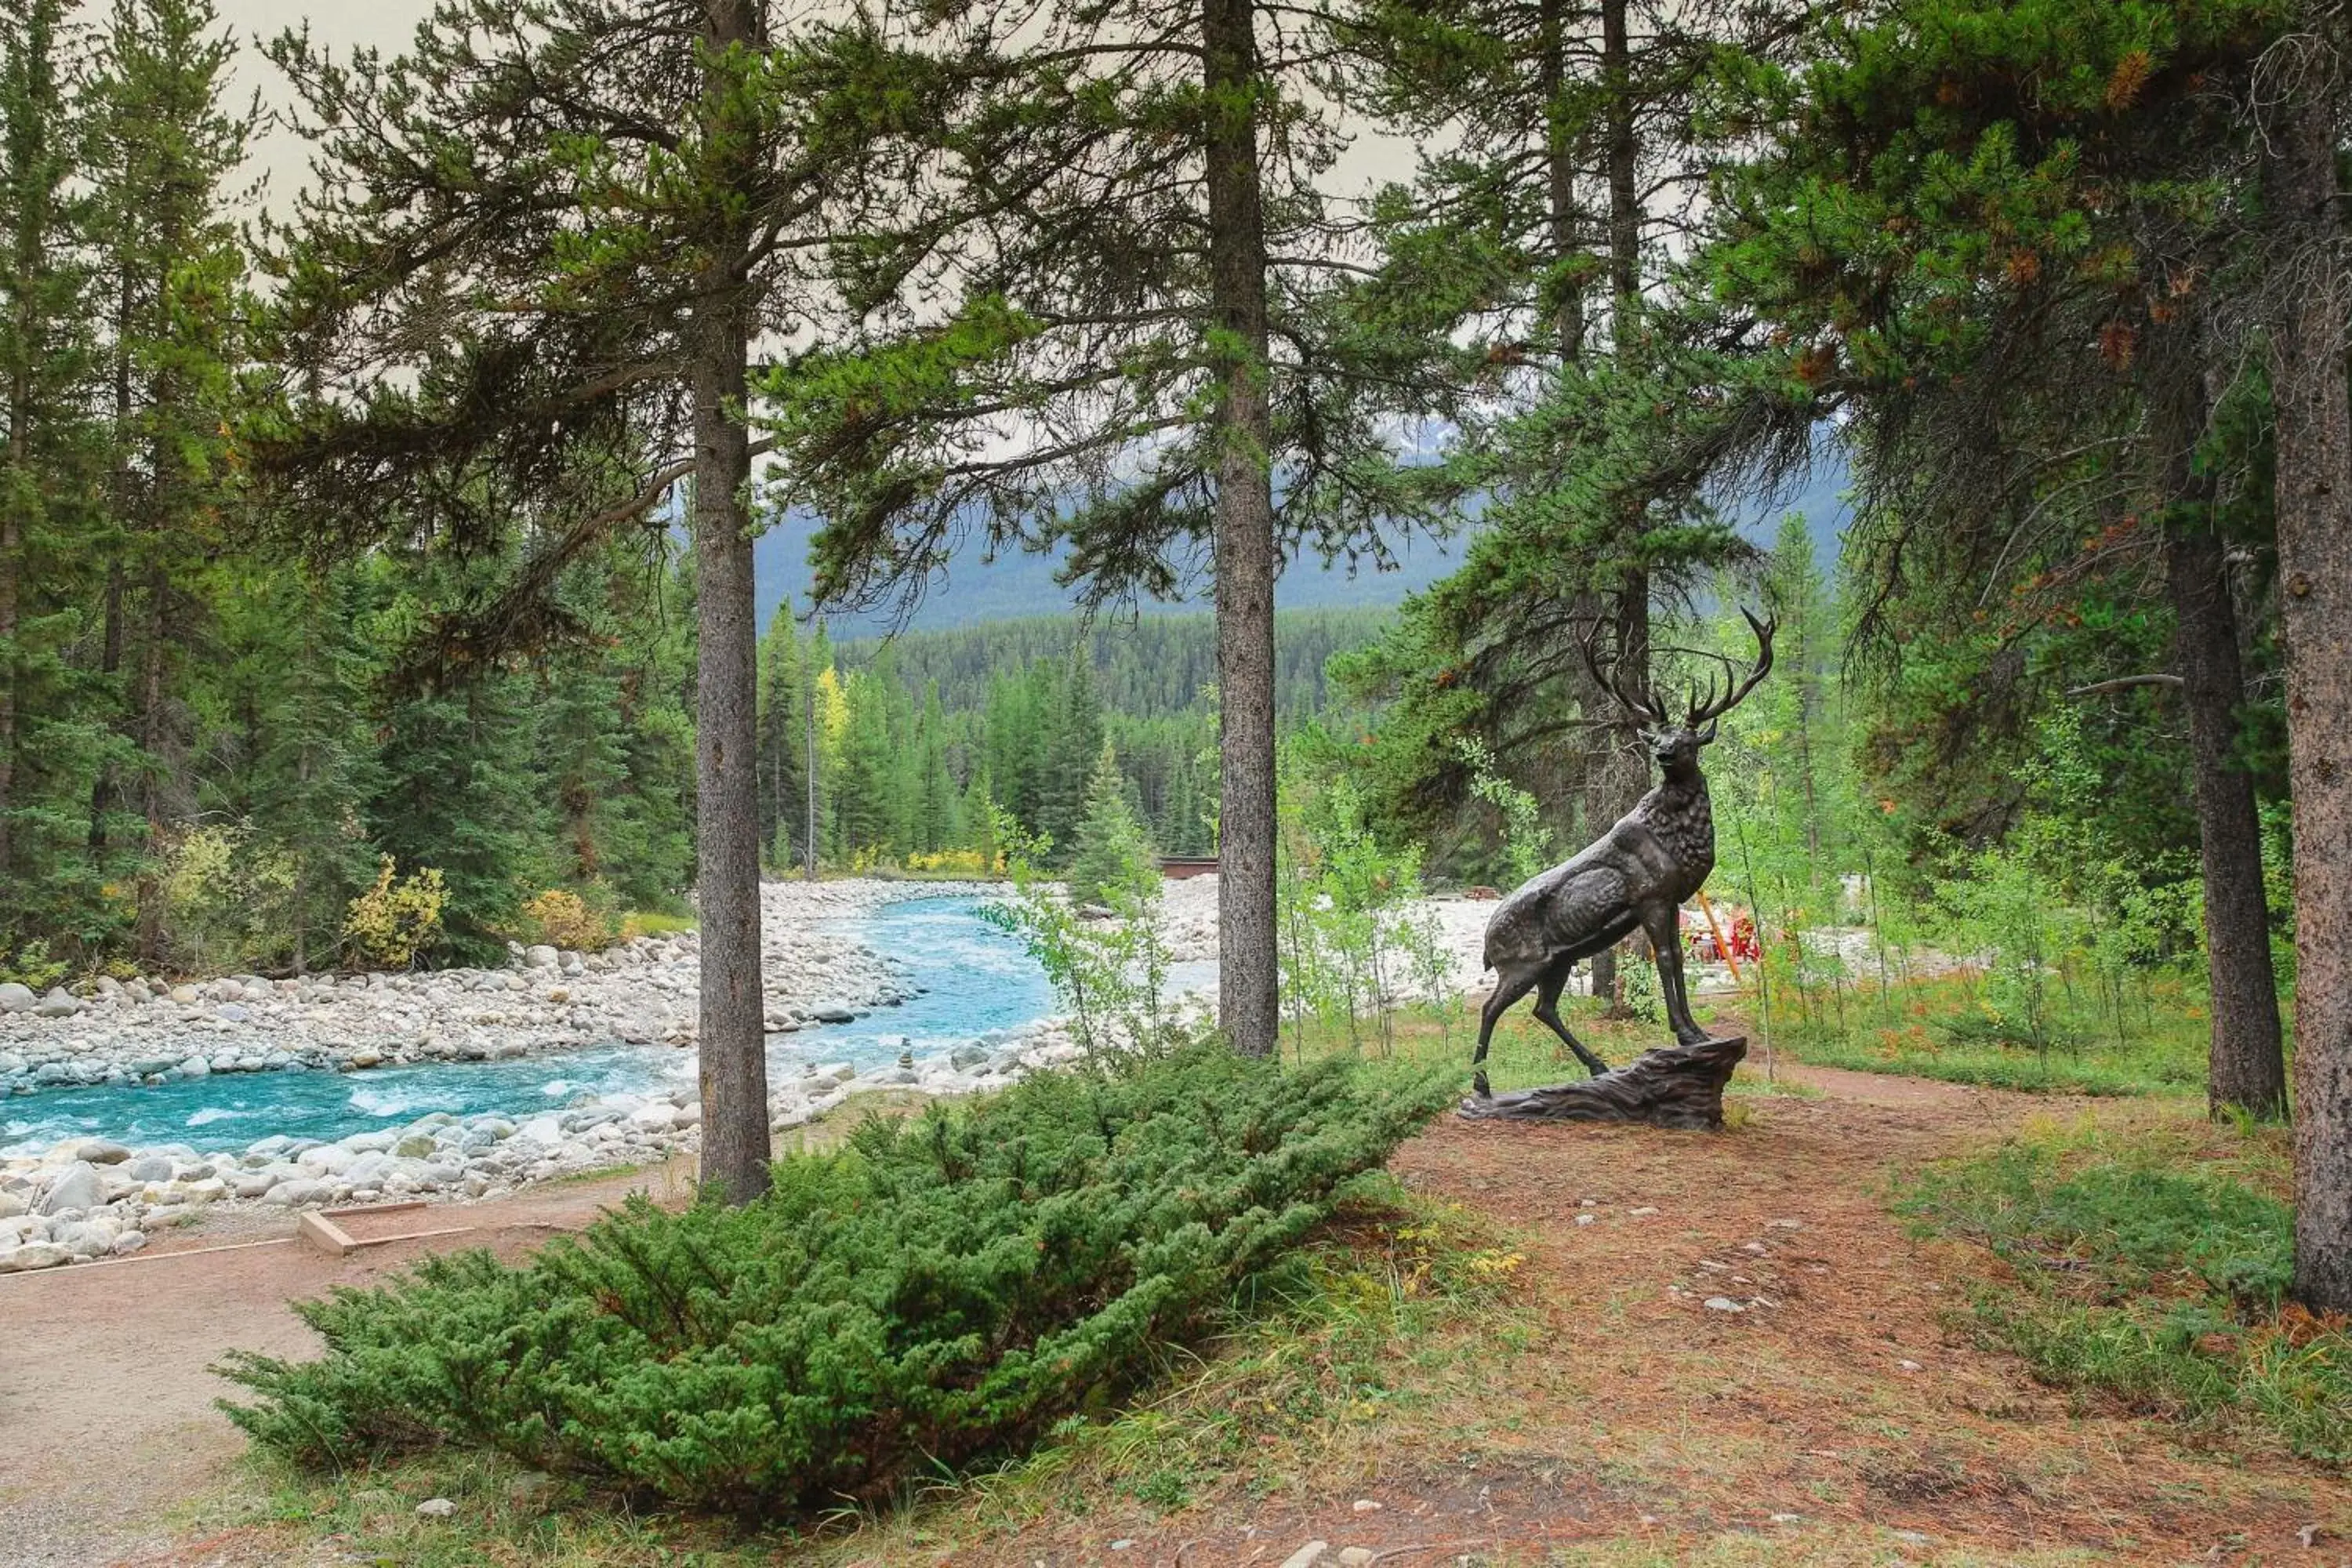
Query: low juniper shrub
[(934, 1292)]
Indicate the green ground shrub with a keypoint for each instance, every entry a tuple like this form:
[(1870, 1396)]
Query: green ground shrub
[(934, 1292), (2150, 1273)]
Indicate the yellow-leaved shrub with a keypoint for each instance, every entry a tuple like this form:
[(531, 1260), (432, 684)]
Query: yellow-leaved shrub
[(560, 918), (398, 919)]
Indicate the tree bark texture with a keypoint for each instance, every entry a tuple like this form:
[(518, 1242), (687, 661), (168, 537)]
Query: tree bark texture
[(2247, 1067), (1248, 996), (1629, 773), (1625, 193), (1626, 765), (119, 492), (732, 1042), (2308, 302), (1559, 171)]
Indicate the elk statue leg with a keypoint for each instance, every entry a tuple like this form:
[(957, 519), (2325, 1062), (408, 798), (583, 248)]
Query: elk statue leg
[(1555, 981), (1510, 985), (1664, 931)]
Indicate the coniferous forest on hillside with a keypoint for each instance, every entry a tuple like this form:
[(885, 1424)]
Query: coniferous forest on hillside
[(400, 446)]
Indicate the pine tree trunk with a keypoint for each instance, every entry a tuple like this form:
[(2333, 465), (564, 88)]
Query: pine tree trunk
[(102, 788), (24, 263), (1624, 191), (2309, 302), (153, 741), (110, 667), (808, 719), (1560, 173), (1632, 775), (1601, 784), (11, 545), (2246, 1069), (732, 1045), (1249, 999), (1629, 772)]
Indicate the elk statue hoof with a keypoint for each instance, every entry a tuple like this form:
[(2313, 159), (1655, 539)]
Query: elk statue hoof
[(1675, 1085)]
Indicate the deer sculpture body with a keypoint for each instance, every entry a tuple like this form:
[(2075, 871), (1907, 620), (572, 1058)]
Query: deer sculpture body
[(1634, 877)]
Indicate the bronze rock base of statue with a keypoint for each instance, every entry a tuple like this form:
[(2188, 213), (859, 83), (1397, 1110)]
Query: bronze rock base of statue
[(1675, 1085)]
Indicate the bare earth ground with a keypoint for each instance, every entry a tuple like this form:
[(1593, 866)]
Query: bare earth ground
[(106, 1407), (1850, 1421)]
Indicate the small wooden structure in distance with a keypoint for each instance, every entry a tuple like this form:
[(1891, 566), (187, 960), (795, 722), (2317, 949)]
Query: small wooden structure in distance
[(319, 1229), (1178, 867)]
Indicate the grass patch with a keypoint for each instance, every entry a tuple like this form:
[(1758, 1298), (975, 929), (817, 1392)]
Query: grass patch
[(653, 922), (2150, 1268), (1944, 1028), (1358, 1329)]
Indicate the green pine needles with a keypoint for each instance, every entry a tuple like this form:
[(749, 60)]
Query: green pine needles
[(935, 1291)]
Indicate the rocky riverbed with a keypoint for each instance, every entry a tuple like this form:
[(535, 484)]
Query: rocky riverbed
[(642, 991), (89, 1199), (86, 1198)]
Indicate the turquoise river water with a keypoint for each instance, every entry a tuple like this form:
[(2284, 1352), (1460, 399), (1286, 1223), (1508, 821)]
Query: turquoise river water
[(975, 978)]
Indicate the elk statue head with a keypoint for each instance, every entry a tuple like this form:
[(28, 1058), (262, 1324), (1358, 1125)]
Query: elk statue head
[(1674, 743)]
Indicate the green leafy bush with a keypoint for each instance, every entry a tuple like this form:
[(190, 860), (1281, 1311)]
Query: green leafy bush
[(1109, 976), (934, 1292)]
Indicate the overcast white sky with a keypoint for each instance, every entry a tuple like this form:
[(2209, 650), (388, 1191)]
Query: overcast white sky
[(348, 23), (387, 24)]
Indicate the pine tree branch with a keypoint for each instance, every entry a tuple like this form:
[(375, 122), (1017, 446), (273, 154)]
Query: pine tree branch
[(2124, 682)]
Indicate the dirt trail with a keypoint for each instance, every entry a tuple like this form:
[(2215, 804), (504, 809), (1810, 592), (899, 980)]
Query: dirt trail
[(1841, 1421), (1845, 1422), (107, 1421)]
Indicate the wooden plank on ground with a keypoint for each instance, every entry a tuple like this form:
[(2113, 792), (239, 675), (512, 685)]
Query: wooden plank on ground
[(315, 1228)]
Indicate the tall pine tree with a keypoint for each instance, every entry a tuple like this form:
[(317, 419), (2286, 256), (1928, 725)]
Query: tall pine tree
[(46, 465), (529, 275)]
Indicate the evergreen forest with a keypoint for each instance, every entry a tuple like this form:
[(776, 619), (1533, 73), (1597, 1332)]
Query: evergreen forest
[(388, 430)]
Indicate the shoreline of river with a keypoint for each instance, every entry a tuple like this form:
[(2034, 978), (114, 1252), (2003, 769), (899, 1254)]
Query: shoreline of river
[(638, 993), (84, 1198)]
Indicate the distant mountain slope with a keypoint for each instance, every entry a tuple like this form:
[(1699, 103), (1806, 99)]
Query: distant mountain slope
[(1020, 585)]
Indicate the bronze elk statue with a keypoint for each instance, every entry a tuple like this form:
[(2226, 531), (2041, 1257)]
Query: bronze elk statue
[(1635, 876)]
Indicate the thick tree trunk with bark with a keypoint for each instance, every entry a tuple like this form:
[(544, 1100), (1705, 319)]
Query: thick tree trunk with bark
[(154, 730), (1625, 193), (1628, 771), (733, 1043), (27, 260), (12, 544), (2310, 305), (1629, 775), (103, 787), (2247, 1068), (1249, 1003), (1560, 173)]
